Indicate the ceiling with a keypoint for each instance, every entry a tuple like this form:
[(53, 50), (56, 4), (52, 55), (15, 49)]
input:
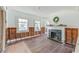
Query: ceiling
[(43, 10)]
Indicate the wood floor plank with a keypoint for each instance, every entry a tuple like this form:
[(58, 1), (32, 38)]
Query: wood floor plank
[(39, 45), (43, 45)]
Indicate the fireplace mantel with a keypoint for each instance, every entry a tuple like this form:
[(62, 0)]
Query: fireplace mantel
[(62, 28)]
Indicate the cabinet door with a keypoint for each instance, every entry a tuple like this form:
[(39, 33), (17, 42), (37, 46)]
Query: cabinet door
[(75, 36), (12, 33), (71, 35), (68, 35)]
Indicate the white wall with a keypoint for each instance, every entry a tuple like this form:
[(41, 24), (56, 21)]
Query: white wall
[(12, 17), (67, 17), (70, 18)]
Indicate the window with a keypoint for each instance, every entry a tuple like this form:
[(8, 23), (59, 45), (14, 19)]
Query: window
[(47, 23), (22, 25), (37, 25)]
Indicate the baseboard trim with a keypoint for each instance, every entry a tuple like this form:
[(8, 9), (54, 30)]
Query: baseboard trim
[(18, 39)]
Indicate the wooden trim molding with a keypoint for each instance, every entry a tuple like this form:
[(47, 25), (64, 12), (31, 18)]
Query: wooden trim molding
[(12, 34), (21, 35), (42, 29), (31, 31)]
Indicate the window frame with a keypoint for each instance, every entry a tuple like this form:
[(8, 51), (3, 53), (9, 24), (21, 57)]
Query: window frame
[(26, 30), (38, 22)]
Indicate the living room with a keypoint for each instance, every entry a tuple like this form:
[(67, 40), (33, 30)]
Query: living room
[(42, 29)]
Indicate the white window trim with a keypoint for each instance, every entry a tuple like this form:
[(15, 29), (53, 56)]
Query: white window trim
[(18, 25), (40, 25)]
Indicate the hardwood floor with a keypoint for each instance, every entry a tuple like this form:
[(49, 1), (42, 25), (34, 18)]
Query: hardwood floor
[(40, 45), (43, 45), (18, 47)]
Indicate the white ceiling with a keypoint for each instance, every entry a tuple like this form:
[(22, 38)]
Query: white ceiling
[(43, 10)]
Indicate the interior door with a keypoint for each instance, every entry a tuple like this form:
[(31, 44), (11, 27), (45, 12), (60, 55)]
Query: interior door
[(1, 28)]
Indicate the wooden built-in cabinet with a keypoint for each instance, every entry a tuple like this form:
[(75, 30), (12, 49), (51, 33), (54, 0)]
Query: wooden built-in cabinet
[(42, 29), (21, 35), (31, 31), (11, 33), (71, 35)]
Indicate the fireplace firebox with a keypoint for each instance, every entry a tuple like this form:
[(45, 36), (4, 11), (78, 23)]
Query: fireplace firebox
[(55, 35)]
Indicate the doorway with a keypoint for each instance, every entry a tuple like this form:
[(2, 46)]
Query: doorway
[(2, 35)]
